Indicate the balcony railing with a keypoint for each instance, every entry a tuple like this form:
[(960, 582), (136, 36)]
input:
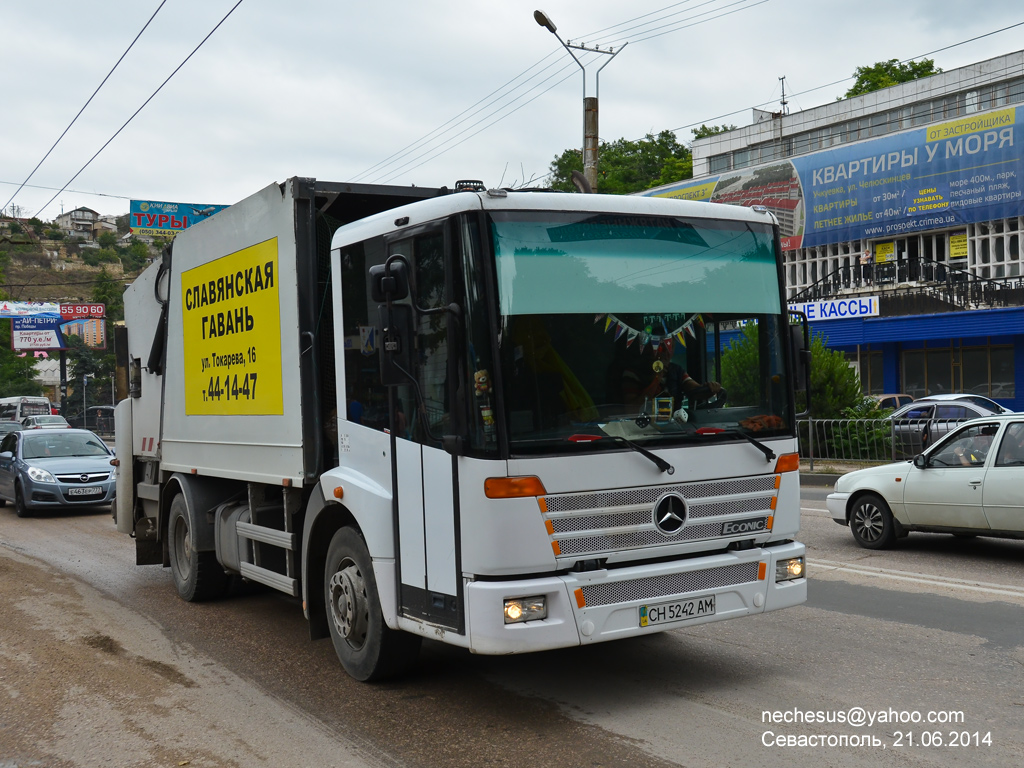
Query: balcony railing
[(955, 287)]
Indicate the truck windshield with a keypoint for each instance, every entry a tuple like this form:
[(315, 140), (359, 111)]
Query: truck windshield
[(612, 325)]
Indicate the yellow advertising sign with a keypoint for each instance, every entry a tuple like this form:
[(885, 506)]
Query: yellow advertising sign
[(977, 124), (885, 252), (692, 192), (958, 245), (231, 320)]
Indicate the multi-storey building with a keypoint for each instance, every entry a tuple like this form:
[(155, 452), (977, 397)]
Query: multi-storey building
[(902, 213)]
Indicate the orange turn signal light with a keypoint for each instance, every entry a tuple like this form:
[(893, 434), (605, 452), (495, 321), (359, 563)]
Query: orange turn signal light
[(788, 462), (513, 487)]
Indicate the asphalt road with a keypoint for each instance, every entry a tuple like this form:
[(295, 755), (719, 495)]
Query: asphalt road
[(934, 626)]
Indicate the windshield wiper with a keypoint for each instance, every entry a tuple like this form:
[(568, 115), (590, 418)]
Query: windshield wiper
[(769, 454), (659, 462)]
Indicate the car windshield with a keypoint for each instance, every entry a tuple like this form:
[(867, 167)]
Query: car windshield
[(657, 306), (63, 446)]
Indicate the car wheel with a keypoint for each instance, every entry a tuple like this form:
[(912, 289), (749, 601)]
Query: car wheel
[(871, 522), (367, 648), (20, 507), (197, 575)]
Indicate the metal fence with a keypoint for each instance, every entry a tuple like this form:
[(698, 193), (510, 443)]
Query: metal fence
[(868, 440)]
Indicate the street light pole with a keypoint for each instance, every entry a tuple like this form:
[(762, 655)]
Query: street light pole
[(590, 134)]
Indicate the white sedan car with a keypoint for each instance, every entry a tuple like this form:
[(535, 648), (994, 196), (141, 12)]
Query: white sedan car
[(969, 483)]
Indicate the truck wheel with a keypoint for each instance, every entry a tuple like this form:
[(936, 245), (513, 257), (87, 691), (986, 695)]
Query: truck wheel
[(20, 507), (197, 575), (871, 522), (367, 648)]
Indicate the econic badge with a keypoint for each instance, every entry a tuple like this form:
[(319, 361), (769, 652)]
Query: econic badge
[(231, 320)]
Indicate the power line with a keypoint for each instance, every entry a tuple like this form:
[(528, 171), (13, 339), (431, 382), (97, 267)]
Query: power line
[(72, 191), (151, 97), (450, 143), (851, 77), (27, 178)]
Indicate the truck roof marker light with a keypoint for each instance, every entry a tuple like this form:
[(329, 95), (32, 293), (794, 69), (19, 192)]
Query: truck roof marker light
[(762, 571), (788, 462), (581, 601), (339, 492), (513, 487)]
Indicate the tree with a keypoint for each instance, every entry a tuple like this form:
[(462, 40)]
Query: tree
[(134, 257), (835, 386), (711, 130), (891, 72), (16, 373), (626, 166), (107, 240), (90, 372), (110, 292)]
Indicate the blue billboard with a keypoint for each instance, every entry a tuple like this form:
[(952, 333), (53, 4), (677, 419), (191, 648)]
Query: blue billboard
[(940, 176), (158, 219)]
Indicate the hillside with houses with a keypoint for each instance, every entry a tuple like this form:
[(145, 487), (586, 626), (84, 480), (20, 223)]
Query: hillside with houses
[(82, 256)]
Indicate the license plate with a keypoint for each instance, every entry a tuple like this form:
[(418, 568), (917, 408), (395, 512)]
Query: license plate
[(85, 491), (680, 610)]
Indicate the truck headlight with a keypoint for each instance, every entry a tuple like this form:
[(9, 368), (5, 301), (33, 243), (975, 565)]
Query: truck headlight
[(787, 570), (40, 475), (520, 609)]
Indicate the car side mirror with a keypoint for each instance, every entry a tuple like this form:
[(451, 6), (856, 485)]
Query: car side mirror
[(921, 461)]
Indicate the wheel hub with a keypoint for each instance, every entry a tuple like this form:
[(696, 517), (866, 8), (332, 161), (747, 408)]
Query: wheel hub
[(869, 521), (349, 604)]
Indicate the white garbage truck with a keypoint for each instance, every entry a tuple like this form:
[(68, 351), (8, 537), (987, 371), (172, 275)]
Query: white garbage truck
[(506, 420)]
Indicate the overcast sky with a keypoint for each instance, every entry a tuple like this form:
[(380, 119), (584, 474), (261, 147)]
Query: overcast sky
[(334, 89)]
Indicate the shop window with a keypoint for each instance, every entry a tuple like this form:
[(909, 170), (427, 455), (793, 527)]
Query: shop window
[(913, 373), (974, 370), (939, 371), (1003, 384)]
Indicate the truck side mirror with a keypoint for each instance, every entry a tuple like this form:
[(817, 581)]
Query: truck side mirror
[(396, 344), (388, 283), (800, 352)]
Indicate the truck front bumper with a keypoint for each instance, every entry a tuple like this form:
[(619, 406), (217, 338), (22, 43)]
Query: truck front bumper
[(596, 606)]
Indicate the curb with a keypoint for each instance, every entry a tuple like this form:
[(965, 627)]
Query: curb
[(818, 479)]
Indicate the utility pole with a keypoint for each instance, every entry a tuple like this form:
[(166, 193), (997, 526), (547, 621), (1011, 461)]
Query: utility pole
[(590, 133)]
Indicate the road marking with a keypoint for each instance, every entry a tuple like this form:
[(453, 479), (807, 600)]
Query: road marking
[(919, 578)]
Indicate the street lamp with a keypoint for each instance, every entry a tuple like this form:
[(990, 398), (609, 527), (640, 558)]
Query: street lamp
[(589, 103), (85, 403)]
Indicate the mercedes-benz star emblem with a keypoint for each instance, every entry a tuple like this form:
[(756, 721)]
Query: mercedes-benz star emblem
[(670, 513)]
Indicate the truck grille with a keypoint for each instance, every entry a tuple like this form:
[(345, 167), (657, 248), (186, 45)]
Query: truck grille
[(654, 587), (590, 524)]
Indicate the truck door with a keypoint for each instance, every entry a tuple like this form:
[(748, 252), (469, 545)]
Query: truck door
[(430, 556)]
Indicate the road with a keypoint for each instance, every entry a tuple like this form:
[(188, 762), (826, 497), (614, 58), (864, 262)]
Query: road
[(102, 665)]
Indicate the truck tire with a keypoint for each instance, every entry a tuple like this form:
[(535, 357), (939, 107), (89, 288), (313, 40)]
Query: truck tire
[(367, 648), (197, 575)]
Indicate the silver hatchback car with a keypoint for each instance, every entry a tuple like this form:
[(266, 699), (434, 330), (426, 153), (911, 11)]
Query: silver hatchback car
[(54, 468)]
